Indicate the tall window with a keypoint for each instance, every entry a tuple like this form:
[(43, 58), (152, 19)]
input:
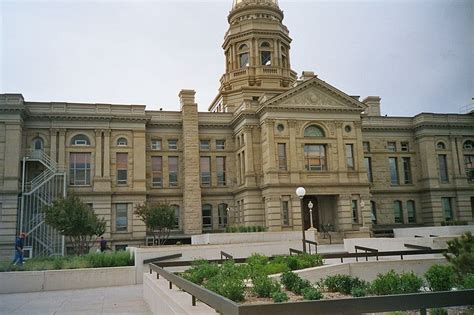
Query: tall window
[(220, 145), (122, 168), (156, 171), (373, 214), (38, 144), (221, 170), (446, 203), (80, 140), (243, 56), (173, 171), (207, 217), (397, 211), (80, 169), (443, 168), (315, 157), (407, 170), (282, 156), (355, 211), (469, 166), (285, 213), (411, 213), (172, 144), (121, 217), (205, 166), (176, 216), (350, 156), (156, 144), (368, 167), (393, 170), (265, 54), (223, 219), (392, 146)]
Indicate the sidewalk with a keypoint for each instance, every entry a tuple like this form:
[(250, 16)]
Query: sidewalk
[(109, 300)]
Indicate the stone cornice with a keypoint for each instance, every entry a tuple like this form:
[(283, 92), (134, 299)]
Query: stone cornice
[(88, 117)]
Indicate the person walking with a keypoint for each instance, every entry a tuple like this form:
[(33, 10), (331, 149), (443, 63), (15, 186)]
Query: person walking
[(19, 243), (103, 244)]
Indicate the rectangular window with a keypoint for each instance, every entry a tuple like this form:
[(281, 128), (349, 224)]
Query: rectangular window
[(355, 211), (393, 171), (172, 144), (223, 215), (155, 144), (244, 60), (266, 58), (368, 167), (446, 203), (315, 157), (156, 171), (350, 156), (411, 211), (80, 169), (282, 156), (469, 166), (366, 146), (205, 167), (221, 170), (285, 213), (204, 145), (122, 168), (443, 168), (121, 217), (173, 170), (397, 211), (207, 217), (404, 147), (220, 145), (392, 146), (407, 170)]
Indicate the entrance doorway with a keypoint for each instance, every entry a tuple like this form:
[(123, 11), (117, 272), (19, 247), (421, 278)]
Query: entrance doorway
[(324, 212)]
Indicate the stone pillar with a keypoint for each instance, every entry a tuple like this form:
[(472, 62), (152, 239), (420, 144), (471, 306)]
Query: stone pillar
[(292, 153), (62, 150), (344, 215), (249, 175), (53, 144), (139, 161), (365, 211), (106, 156), (341, 154), (98, 153), (11, 168), (192, 220)]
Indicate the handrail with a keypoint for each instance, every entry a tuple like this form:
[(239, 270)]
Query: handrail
[(312, 243), (325, 233), (400, 253), (416, 246), (432, 235), (418, 236), (366, 250), (295, 251), (157, 259), (227, 256)]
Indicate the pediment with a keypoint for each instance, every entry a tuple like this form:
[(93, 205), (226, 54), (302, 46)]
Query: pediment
[(315, 94)]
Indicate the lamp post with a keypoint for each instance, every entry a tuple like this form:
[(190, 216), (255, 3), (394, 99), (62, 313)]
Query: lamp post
[(310, 206), (300, 192)]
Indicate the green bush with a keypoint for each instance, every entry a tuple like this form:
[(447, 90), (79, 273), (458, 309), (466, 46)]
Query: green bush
[(274, 267), (440, 277), (393, 283), (467, 281), (460, 254), (342, 283), (454, 222), (257, 259), (301, 285), (263, 286), (410, 283), (289, 279), (201, 271), (359, 291), (279, 297), (229, 287), (112, 259), (312, 294)]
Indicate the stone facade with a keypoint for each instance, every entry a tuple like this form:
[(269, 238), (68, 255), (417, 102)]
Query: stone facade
[(266, 133)]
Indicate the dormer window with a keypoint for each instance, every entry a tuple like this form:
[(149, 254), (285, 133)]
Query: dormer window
[(122, 142), (80, 140), (38, 144)]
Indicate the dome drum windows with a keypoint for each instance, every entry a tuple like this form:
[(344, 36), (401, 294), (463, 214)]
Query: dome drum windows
[(265, 54), (244, 57)]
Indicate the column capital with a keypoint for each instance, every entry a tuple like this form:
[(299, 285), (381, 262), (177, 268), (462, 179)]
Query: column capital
[(292, 123), (339, 124), (62, 131)]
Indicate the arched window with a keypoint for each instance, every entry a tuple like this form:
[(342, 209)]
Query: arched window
[(313, 131), (411, 213), (80, 140), (244, 59), (38, 144), (207, 216), (122, 142), (265, 45), (397, 211), (373, 214), (176, 216), (265, 54), (223, 219), (468, 145), (441, 146)]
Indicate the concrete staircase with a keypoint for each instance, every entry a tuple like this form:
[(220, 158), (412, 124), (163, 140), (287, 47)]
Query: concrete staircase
[(164, 301)]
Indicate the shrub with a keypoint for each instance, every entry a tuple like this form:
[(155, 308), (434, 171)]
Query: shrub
[(468, 281), (301, 285), (263, 286), (460, 254), (410, 283), (257, 259), (359, 291), (312, 294), (279, 297), (342, 283), (275, 267), (289, 279), (230, 287), (201, 271), (440, 277), (392, 283)]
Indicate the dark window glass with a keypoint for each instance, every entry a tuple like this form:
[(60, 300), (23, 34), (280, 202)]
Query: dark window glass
[(205, 167), (173, 171), (79, 169), (207, 216), (285, 213), (223, 217), (368, 167), (350, 156), (411, 213), (156, 171), (315, 157), (122, 168), (407, 170), (446, 203), (443, 168), (355, 211), (397, 211), (121, 217), (393, 171), (221, 171), (282, 156)]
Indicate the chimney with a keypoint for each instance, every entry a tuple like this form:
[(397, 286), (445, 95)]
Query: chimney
[(373, 105), (186, 98)]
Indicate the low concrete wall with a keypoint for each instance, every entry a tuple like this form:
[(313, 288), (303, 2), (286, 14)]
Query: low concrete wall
[(434, 230), (254, 237), (392, 244), (50, 280)]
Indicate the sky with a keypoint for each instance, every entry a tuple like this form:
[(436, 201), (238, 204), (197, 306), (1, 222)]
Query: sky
[(417, 55)]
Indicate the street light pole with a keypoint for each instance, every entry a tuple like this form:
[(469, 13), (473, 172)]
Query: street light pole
[(300, 192), (310, 206)]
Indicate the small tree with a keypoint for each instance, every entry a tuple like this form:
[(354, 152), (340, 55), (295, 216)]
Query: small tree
[(75, 220), (460, 254), (158, 218)]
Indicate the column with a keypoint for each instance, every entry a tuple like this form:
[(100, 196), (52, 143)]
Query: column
[(341, 153), (53, 144), (106, 157), (344, 215), (62, 150), (139, 161), (98, 153), (292, 153), (11, 168), (249, 158)]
